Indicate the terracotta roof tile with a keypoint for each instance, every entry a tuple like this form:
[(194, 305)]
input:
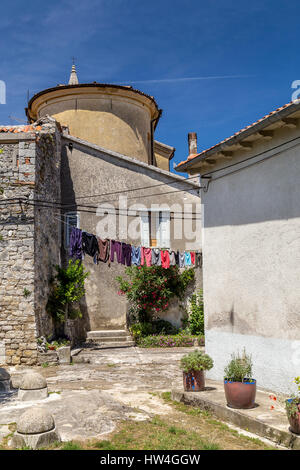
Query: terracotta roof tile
[(191, 157), (18, 129)]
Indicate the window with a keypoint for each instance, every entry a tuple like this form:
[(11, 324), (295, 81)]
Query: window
[(155, 229), (71, 220)]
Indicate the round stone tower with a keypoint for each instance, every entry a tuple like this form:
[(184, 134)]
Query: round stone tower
[(115, 117)]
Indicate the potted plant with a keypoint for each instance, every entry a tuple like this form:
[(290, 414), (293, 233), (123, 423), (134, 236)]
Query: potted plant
[(293, 409), (240, 387), (193, 366)]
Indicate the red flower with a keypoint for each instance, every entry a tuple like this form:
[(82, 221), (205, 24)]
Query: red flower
[(272, 407)]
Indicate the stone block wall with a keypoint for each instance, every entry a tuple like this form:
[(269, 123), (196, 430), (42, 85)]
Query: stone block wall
[(29, 237), (47, 220), (17, 317)]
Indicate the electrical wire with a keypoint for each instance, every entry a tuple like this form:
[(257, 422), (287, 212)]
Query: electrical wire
[(67, 206), (49, 206)]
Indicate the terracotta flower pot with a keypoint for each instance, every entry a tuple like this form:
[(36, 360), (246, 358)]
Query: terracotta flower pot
[(294, 419), (193, 381), (240, 395)]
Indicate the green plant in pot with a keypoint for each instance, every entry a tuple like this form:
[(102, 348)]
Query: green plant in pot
[(239, 386), (292, 406), (193, 366)]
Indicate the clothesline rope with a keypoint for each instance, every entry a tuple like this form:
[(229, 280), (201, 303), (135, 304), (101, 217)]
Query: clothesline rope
[(82, 243)]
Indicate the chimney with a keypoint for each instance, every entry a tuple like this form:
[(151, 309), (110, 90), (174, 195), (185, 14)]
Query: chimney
[(192, 138)]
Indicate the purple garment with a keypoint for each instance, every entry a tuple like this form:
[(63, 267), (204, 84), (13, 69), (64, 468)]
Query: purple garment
[(126, 254), (115, 247), (75, 250)]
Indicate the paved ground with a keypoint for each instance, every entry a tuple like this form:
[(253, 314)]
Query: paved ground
[(87, 400)]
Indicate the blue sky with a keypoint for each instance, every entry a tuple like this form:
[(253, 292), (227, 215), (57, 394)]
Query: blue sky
[(157, 46)]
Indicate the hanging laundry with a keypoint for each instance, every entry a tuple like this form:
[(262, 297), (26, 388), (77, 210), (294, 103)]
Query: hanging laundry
[(75, 250), (198, 262), (146, 256), (104, 249), (126, 254), (181, 260), (90, 245), (115, 247), (172, 258), (136, 255), (165, 259), (193, 257), (177, 258), (188, 258), (156, 257)]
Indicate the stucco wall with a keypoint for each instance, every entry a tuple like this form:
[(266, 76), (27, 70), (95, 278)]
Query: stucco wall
[(111, 118), (251, 262), (87, 171)]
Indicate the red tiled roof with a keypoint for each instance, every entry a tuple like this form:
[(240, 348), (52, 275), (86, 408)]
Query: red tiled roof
[(18, 129), (192, 156)]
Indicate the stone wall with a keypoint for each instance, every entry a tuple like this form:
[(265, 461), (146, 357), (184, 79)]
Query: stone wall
[(17, 319), (29, 236), (47, 221)]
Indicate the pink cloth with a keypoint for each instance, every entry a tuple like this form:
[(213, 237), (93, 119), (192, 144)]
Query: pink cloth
[(193, 257), (165, 259), (146, 256)]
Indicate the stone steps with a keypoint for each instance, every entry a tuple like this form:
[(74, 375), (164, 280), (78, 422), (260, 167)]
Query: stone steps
[(110, 339)]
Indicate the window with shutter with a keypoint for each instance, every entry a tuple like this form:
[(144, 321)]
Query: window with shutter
[(145, 231), (164, 229), (155, 229)]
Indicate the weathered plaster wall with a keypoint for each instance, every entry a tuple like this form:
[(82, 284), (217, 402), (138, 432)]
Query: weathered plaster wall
[(251, 260), (115, 119), (89, 171)]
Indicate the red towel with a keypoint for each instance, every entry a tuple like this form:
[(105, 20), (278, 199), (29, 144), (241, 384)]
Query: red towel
[(165, 259), (146, 255)]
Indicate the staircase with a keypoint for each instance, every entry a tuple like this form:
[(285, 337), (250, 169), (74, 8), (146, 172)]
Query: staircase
[(110, 339)]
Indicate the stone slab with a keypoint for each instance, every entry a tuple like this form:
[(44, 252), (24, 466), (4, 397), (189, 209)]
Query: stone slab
[(261, 420), (64, 355)]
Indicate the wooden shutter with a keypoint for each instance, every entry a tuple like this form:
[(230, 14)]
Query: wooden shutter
[(145, 229), (164, 229)]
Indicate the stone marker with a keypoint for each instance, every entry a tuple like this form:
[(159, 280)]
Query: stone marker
[(33, 387), (35, 429), (4, 380), (64, 354)]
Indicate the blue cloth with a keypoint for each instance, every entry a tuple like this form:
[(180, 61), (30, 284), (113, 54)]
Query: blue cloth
[(136, 255), (75, 250), (188, 261)]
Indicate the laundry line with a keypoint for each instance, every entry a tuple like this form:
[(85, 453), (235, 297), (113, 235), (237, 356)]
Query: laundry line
[(107, 250)]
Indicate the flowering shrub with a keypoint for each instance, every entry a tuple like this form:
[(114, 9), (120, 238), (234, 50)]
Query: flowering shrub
[(166, 341), (150, 288)]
